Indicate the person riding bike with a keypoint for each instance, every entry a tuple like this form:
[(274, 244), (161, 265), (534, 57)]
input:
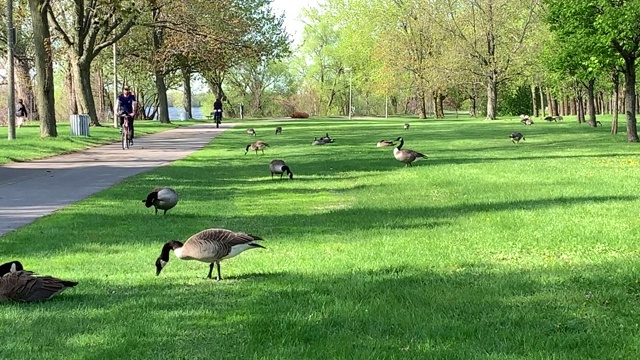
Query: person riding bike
[(127, 106), (217, 111)]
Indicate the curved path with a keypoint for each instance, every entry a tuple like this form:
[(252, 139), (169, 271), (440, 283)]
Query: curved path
[(26, 188)]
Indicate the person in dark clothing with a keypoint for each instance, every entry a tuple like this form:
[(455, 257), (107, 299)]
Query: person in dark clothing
[(217, 110), (21, 113), (127, 106)]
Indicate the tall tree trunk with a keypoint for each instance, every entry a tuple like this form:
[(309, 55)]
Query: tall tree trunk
[(492, 95), (84, 93), (533, 101), (101, 110), (440, 108), (186, 83), (542, 110), (591, 102), (580, 108), (616, 99), (24, 87), (549, 103), (630, 98), (556, 111), (394, 104), (163, 102), (69, 89), (422, 104), (44, 67)]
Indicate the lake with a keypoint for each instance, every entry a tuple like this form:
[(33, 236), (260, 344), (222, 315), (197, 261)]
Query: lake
[(175, 112)]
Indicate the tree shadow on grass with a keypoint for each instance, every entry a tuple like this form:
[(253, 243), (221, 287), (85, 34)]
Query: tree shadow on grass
[(84, 227), (478, 311)]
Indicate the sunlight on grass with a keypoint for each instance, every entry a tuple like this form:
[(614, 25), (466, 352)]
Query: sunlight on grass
[(487, 250)]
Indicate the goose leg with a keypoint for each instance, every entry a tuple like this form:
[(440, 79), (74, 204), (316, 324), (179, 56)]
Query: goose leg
[(210, 271), (165, 212), (156, 209), (219, 276)]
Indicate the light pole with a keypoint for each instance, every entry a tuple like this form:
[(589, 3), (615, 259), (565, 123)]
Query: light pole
[(349, 71), (11, 39)]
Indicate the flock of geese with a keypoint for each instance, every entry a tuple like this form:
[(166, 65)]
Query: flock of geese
[(209, 246)]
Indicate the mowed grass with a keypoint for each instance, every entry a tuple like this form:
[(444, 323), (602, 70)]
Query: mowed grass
[(487, 250), (29, 146)]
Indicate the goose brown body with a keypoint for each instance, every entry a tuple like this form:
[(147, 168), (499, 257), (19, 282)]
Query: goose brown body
[(317, 141), (383, 143), (210, 246), (25, 286), (280, 167), (405, 155), (162, 199), (256, 145)]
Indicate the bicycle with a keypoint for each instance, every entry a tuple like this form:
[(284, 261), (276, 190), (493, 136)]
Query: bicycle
[(217, 117), (126, 133)]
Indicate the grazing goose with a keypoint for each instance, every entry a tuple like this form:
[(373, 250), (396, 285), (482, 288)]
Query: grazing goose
[(406, 156), (162, 198), (250, 132), (327, 139), (279, 130), (20, 285), (280, 167), (317, 141), (406, 126), (210, 246), (257, 145), (550, 119), (383, 143), (516, 137)]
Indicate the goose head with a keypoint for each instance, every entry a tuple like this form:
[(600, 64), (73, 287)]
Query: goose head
[(247, 149)]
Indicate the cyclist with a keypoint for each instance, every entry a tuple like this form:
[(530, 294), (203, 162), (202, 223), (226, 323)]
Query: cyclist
[(217, 111), (128, 105)]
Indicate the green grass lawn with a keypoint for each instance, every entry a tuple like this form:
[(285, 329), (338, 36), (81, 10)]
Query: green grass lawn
[(487, 250), (29, 146)]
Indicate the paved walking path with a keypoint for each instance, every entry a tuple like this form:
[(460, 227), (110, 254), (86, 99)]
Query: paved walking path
[(26, 188)]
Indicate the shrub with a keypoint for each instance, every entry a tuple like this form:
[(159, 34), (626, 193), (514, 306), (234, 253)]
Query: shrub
[(299, 115)]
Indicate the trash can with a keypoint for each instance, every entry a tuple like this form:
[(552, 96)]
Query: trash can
[(79, 125)]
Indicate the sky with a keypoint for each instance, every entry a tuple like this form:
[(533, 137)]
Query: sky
[(292, 10)]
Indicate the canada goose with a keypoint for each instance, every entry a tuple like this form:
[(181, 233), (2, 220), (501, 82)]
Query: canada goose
[(526, 120), (516, 137), (327, 139), (280, 167), (279, 130), (406, 126), (559, 118), (383, 143), (210, 246), (20, 285), (256, 145), (406, 156), (162, 198), (250, 132), (317, 141), (6, 268), (550, 119)]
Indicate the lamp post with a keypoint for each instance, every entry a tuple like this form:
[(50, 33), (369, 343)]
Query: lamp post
[(349, 71), (11, 41)]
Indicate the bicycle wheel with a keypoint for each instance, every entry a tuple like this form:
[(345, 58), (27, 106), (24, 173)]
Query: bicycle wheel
[(126, 138)]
